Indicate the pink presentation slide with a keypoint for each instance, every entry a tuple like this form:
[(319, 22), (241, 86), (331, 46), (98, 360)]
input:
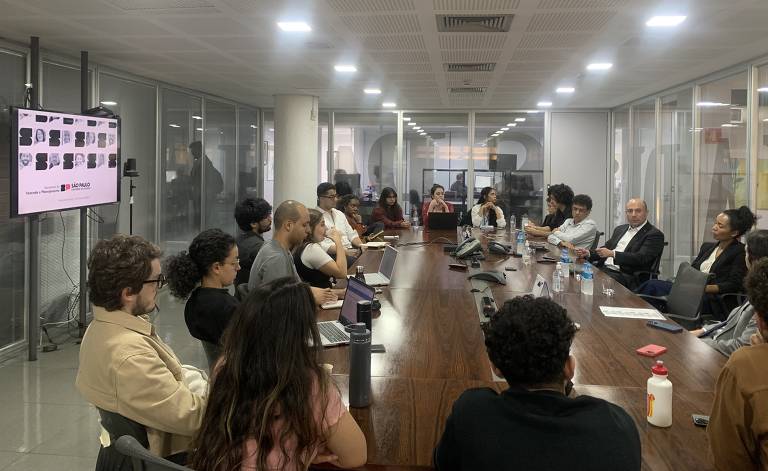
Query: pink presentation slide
[(66, 161)]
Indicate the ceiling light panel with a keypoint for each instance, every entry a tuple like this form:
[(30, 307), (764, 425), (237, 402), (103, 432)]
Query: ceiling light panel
[(294, 26), (347, 68), (665, 21), (599, 66)]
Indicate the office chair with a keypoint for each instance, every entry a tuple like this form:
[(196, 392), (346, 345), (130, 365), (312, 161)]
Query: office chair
[(212, 353), (142, 459), (595, 242), (642, 276), (109, 458), (684, 300)]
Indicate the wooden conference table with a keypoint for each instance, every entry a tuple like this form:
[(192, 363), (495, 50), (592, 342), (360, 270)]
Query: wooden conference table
[(430, 328)]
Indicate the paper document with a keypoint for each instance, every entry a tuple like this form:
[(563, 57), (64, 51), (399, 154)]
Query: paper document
[(375, 245), (631, 313)]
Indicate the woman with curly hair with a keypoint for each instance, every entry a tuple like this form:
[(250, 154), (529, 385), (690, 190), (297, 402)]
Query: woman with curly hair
[(201, 276), (271, 405)]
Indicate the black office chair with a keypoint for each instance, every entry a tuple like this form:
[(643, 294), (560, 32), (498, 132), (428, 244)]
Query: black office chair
[(212, 353), (595, 242), (141, 459), (684, 300), (642, 276), (109, 458)]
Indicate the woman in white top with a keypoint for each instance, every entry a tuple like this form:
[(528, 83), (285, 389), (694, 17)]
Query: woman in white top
[(313, 264), (485, 212)]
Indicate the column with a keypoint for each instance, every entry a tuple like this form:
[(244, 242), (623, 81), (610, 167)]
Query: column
[(296, 149)]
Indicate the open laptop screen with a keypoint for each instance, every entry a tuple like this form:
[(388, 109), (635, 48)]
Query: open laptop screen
[(388, 262), (356, 291)]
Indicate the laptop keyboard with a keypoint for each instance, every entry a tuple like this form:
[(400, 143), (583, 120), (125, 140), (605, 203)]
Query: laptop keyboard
[(375, 279), (331, 332)]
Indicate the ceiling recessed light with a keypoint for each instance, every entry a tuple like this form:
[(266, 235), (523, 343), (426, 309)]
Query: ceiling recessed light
[(196, 117), (512, 125), (763, 89), (199, 129), (520, 120), (599, 66), (294, 26), (533, 111), (372, 91), (412, 123), (345, 68), (544, 104), (667, 21), (505, 129), (405, 118), (388, 104), (710, 104), (109, 103), (174, 125), (253, 126), (765, 120), (417, 128), (565, 90), (729, 125)]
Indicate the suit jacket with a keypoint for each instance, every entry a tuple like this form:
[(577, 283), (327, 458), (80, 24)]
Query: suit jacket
[(729, 268), (640, 253), (736, 332)]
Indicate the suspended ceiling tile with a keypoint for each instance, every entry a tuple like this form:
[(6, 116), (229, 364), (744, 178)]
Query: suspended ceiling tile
[(546, 55), (212, 25), (140, 5), (382, 24), (581, 4), (363, 6), (570, 21), (475, 5), (543, 65), (399, 57), (126, 26), (407, 68), (396, 42), (554, 40)]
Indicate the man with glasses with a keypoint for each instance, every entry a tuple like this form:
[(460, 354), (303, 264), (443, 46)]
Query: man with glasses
[(125, 367), (326, 204), (576, 231), (633, 247)]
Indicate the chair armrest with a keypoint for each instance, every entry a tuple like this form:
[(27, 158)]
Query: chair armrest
[(659, 302)]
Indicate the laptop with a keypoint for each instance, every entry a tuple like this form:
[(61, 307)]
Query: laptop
[(333, 332), (387, 265), (442, 221)]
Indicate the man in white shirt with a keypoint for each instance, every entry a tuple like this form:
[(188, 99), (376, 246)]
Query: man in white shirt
[(576, 232), (633, 247), (335, 219)]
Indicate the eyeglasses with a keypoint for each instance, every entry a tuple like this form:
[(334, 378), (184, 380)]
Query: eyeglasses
[(235, 264), (160, 281), (330, 197)]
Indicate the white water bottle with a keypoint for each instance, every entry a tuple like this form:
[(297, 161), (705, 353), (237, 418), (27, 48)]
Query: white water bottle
[(526, 253), (587, 283), (557, 277), (659, 401)]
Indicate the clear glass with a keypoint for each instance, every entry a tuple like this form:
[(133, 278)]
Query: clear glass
[(364, 149), (676, 185), (722, 178), (762, 147), (440, 156), (248, 153), (136, 105), (622, 158), (643, 161), (219, 172), (12, 276), (268, 147), (512, 162), (180, 191)]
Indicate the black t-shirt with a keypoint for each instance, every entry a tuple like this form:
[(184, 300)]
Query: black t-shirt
[(558, 218), (536, 431), (208, 312), (248, 246)]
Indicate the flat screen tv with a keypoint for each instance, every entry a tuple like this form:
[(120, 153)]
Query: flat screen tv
[(62, 161)]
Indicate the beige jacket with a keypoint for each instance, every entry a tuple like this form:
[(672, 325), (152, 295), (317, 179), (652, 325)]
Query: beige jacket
[(126, 368)]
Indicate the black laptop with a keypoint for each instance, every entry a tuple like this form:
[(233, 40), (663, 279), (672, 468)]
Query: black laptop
[(442, 221)]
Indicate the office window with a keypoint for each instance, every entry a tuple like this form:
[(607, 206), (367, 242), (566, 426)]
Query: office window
[(512, 161), (643, 163), (762, 147), (622, 158), (136, 104), (722, 178), (181, 130), (219, 169), (676, 184), (437, 153), (248, 153), (12, 240)]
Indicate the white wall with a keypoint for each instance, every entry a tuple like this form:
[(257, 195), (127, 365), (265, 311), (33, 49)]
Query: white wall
[(579, 157)]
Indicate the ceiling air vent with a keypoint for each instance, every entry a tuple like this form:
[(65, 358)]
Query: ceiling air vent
[(474, 67), (474, 23), (467, 90)]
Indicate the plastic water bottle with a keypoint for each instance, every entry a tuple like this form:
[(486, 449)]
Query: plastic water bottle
[(659, 397), (557, 277), (520, 249), (524, 221), (360, 366), (587, 283), (414, 219), (526, 253), (511, 224), (565, 259)]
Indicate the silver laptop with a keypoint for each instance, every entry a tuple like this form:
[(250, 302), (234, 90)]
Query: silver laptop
[(387, 265), (333, 332)]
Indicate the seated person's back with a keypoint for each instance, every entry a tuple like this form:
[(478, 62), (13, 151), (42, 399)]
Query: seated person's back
[(533, 425), (254, 218)]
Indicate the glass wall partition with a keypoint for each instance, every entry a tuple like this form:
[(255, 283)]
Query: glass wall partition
[(762, 147), (643, 163), (435, 150), (621, 189), (12, 241), (323, 156), (136, 105), (181, 132), (248, 153), (268, 156), (508, 155), (676, 184), (723, 163), (219, 169)]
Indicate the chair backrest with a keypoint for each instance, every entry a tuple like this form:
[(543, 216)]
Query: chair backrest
[(595, 242), (109, 459), (142, 459), (241, 291), (657, 263), (684, 298), (212, 352)]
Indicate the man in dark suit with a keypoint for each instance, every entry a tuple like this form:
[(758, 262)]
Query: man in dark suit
[(633, 247)]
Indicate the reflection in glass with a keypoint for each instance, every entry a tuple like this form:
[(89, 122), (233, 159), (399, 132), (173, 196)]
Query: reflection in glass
[(219, 168), (509, 155), (268, 152), (248, 153), (762, 146), (644, 154), (622, 158)]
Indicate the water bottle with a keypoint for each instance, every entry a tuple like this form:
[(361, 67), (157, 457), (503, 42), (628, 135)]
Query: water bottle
[(359, 366), (364, 309), (526, 254), (524, 221), (511, 224), (557, 277), (659, 406), (587, 283), (414, 219), (520, 249), (565, 259)]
